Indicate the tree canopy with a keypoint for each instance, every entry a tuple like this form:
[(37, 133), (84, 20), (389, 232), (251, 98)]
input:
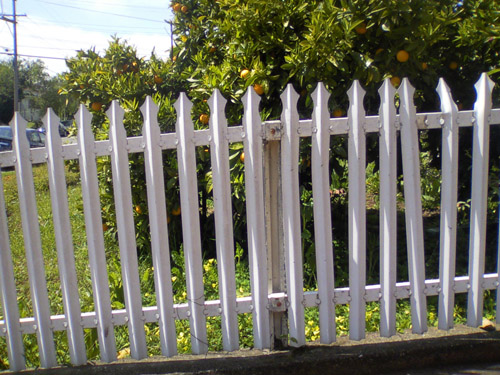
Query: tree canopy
[(35, 84), (232, 45), (335, 41)]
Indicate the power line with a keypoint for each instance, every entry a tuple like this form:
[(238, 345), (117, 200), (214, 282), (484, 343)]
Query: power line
[(114, 4), (96, 27), (102, 12), (33, 56), (99, 25)]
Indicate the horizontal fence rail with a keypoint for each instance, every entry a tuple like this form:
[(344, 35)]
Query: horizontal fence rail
[(266, 302)]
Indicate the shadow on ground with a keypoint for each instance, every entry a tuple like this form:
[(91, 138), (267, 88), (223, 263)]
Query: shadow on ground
[(400, 354)]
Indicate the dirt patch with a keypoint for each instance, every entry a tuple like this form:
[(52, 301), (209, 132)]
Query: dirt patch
[(373, 355)]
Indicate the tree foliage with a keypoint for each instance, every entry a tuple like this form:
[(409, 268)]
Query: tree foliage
[(36, 85), (335, 41), (231, 45)]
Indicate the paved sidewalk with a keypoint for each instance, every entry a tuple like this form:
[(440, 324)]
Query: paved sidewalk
[(455, 350)]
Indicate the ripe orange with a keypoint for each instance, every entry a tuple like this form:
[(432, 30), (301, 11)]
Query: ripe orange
[(453, 65), (259, 89), (338, 112), (104, 227), (176, 7), (424, 66), (212, 49), (402, 56), (244, 73), (135, 67), (176, 211), (242, 157), (138, 209), (184, 9), (158, 79), (361, 28), (396, 81), (96, 106), (204, 118)]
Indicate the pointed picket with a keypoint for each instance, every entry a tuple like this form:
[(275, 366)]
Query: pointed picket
[(95, 237), (15, 348), (158, 224), (322, 213), (126, 231), (479, 194), (388, 210), (64, 239), (449, 187), (413, 207), (32, 242), (254, 187), (357, 211), (291, 215), (219, 152), (191, 224)]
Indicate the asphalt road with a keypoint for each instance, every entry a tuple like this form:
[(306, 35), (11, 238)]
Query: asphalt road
[(474, 369)]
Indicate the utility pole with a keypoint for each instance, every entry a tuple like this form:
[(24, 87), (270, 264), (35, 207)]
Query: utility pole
[(171, 38), (16, 68), (13, 20)]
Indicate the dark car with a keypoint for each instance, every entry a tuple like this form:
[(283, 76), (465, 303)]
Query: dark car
[(64, 128), (35, 138)]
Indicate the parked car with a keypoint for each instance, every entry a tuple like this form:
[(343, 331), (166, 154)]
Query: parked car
[(64, 127), (35, 138)]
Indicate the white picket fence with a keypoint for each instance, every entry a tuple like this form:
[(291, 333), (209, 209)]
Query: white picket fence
[(273, 217)]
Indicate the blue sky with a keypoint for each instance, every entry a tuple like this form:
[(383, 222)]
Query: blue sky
[(58, 28)]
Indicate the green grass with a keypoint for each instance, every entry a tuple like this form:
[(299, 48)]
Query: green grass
[(114, 272), (147, 285)]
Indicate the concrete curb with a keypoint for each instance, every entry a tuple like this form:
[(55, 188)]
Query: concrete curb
[(365, 358)]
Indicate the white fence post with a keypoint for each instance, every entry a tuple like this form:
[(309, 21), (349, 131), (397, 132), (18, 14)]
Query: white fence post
[(479, 196), (291, 215), (413, 207), (159, 227), (388, 209), (126, 231), (219, 151), (449, 187), (256, 231), (357, 211), (32, 243), (15, 348), (320, 163), (64, 239), (95, 237), (188, 183)]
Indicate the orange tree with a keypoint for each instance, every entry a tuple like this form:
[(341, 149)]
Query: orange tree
[(95, 80), (232, 45)]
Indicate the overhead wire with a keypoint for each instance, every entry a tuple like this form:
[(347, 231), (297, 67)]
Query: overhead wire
[(99, 26), (102, 12), (33, 56), (114, 4), (54, 43)]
